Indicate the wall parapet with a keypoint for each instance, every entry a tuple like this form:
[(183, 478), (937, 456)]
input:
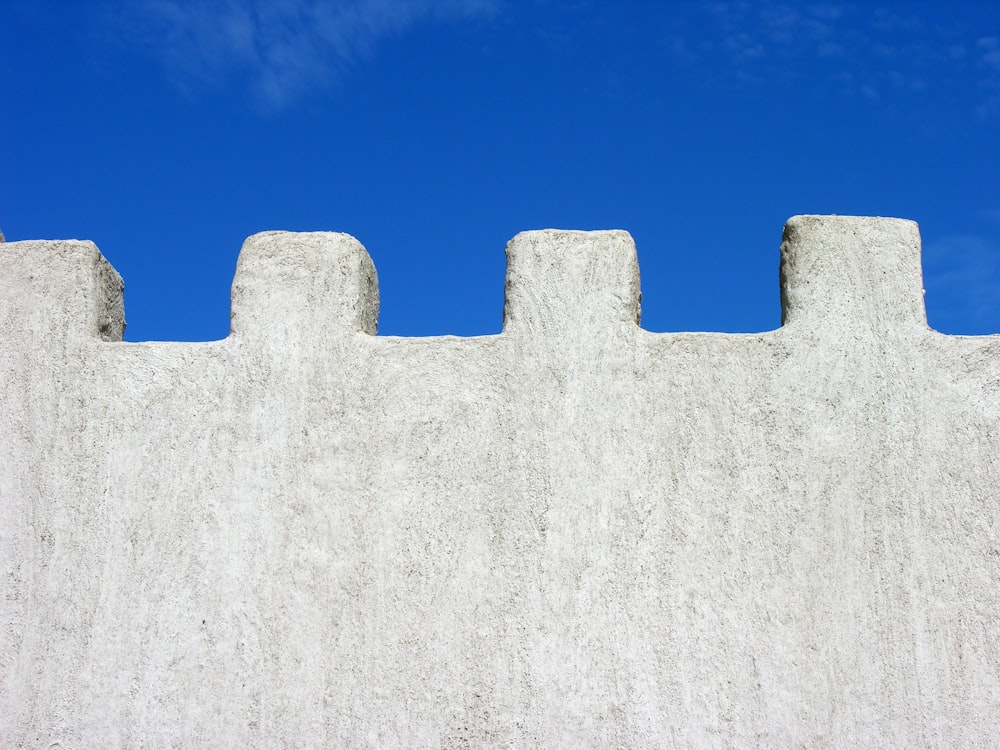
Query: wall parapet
[(837, 273), (572, 533)]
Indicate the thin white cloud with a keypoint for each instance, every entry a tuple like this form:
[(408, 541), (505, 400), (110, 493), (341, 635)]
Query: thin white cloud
[(989, 47), (865, 51), (988, 61), (962, 279), (774, 28), (991, 215), (281, 49)]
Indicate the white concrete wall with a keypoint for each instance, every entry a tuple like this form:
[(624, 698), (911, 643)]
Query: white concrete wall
[(572, 534)]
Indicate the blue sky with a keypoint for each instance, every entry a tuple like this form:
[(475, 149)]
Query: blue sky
[(168, 131)]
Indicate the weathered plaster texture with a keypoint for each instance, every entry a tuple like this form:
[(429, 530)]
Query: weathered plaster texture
[(573, 534)]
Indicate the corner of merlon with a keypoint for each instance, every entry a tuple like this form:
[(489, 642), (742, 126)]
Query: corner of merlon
[(851, 274), (59, 289), (561, 281), (302, 284)]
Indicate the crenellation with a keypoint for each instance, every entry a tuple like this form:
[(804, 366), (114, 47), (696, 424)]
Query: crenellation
[(856, 274), (838, 274), (573, 533), (300, 285), (561, 281), (52, 290), (852, 275)]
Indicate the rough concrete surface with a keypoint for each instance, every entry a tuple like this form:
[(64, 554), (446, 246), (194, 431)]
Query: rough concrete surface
[(575, 533)]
